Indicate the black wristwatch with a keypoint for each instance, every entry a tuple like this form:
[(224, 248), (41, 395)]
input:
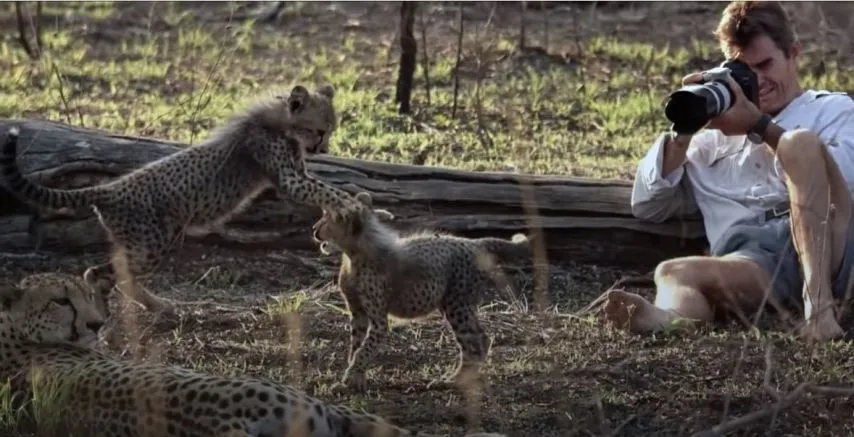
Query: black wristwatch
[(756, 134)]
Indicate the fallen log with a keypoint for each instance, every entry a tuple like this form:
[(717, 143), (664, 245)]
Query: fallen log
[(584, 220)]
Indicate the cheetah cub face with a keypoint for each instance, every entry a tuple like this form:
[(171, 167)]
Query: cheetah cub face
[(53, 308), (342, 231), (313, 112)]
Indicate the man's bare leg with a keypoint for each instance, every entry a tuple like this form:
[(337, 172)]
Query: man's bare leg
[(690, 288), (819, 232)]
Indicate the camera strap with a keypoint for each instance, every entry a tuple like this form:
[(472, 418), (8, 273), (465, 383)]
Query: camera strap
[(820, 94)]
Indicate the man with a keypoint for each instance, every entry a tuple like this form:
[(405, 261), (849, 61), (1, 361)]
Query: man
[(756, 199)]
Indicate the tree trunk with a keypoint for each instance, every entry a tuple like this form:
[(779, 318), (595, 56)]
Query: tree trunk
[(408, 53), (584, 220)]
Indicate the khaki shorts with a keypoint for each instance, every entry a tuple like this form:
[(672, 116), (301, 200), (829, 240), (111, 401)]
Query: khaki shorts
[(770, 245)]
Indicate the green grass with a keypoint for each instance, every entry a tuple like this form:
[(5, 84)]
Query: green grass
[(593, 117)]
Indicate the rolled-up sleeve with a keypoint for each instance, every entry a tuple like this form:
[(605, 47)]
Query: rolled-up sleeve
[(657, 197)]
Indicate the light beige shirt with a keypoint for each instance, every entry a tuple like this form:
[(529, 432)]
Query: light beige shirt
[(727, 179)]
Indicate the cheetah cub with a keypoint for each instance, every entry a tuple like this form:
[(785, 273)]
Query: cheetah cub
[(146, 211), (49, 324), (383, 272)]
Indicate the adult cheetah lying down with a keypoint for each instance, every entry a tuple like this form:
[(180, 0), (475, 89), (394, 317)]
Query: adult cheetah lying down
[(48, 326), (146, 211), (409, 276)]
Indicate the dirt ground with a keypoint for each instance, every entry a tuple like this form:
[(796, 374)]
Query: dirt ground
[(550, 374)]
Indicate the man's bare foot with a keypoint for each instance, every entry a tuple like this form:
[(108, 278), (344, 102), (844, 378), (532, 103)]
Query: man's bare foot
[(630, 311), (822, 330)]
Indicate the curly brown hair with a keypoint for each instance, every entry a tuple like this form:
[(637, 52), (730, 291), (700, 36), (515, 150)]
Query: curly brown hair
[(743, 21)]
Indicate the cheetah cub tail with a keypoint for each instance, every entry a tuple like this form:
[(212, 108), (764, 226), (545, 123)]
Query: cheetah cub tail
[(520, 238), (518, 246), (30, 192)]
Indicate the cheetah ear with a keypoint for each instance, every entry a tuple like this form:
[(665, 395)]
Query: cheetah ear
[(365, 198), (99, 289), (299, 94), (10, 295), (327, 91)]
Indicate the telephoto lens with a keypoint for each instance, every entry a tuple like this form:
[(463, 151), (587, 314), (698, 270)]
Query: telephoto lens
[(691, 107)]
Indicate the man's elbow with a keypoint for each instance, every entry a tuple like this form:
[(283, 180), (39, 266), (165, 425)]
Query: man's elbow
[(647, 211)]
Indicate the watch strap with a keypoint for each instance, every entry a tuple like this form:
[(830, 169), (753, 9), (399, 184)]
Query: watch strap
[(759, 128)]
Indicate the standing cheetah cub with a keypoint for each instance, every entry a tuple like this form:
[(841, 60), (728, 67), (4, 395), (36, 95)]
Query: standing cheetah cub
[(49, 324), (409, 276), (201, 187)]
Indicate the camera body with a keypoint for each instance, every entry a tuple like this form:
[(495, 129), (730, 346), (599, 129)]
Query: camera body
[(691, 107)]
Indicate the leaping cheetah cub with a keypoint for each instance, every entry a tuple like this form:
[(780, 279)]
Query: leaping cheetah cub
[(48, 325), (145, 212), (409, 276)]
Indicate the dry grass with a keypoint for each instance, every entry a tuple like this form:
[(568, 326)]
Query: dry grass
[(175, 70)]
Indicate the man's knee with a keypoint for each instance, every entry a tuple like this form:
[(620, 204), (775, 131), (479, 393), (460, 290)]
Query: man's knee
[(799, 152), (678, 269), (731, 270)]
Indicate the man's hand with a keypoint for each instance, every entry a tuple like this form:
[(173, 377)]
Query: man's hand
[(740, 117)]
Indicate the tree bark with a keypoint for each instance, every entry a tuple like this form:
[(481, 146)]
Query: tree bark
[(583, 220)]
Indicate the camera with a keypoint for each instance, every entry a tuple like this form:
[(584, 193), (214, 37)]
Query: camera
[(692, 107)]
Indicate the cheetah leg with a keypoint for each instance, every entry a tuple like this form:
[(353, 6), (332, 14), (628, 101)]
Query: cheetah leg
[(472, 342), (310, 190), (137, 250), (359, 325), (123, 272), (364, 355), (140, 262)]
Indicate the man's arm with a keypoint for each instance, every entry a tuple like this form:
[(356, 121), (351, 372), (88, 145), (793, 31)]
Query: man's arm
[(675, 151), (659, 191)]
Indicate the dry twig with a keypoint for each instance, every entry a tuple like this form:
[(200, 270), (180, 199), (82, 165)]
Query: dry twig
[(785, 402)]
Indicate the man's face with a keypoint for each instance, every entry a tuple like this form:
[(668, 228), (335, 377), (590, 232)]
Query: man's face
[(777, 74)]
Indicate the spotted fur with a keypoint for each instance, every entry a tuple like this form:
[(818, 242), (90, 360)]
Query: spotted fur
[(146, 211), (48, 325), (409, 276)]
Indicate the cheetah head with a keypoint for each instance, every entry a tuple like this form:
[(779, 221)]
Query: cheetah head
[(342, 231), (53, 308), (310, 116)]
